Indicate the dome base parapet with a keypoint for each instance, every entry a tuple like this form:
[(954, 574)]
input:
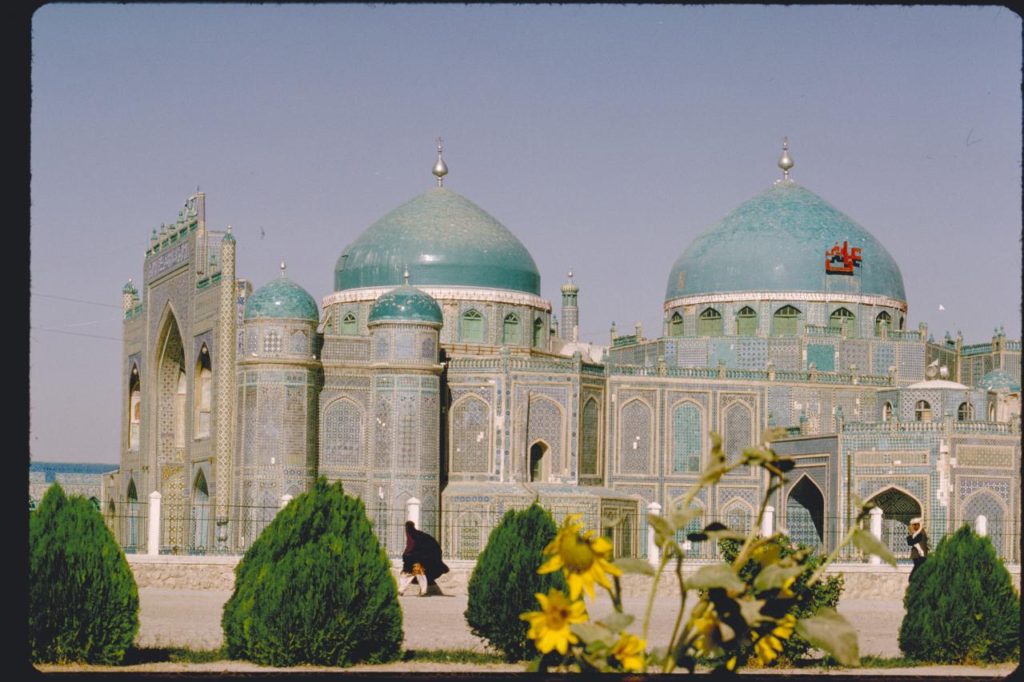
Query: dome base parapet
[(812, 296), (443, 294)]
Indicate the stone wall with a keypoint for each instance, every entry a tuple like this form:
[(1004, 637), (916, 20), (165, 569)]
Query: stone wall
[(861, 581)]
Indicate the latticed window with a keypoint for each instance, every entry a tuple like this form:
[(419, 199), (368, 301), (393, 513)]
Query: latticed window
[(348, 324), (887, 411), (545, 424), (343, 435), (709, 323), (588, 444), (675, 325), (407, 426), (739, 517), (738, 430), (428, 350), (272, 342), (472, 327), (299, 344), (538, 333), (882, 321), (841, 319), (785, 321), (922, 411), (470, 446), (897, 510), (510, 330), (746, 322), (134, 410), (200, 513), (384, 428), (686, 438), (635, 430), (965, 412), (469, 536)]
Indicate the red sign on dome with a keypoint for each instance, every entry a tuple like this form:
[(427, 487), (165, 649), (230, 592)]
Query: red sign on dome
[(841, 260)]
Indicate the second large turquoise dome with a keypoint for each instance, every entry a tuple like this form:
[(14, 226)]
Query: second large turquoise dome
[(443, 239), (776, 242)]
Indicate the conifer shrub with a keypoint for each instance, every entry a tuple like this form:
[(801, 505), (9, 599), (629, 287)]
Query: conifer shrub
[(961, 606), (505, 581), (83, 601), (315, 588), (823, 594)]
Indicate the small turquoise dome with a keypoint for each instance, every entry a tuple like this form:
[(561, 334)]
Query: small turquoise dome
[(777, 242), (281, 298), (443, 239), (998, 380), (406, 304)]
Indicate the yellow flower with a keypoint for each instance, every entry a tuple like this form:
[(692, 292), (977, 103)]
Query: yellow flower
[(769, 646), (785, 592), (630, 652), (582, 557), (705, 625), (549, 627)]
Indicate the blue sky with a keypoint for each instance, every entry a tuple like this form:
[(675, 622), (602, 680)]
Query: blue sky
[(605, 137)]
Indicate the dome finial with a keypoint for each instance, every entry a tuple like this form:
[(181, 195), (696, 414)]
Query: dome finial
[(440, 168), (405, 275), (785, 161), (283, 268)]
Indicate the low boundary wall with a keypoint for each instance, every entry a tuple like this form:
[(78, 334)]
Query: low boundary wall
[(211, 572)]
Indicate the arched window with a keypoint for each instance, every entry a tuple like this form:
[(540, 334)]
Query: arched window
[(588, 439), (675, 325), (510, 330), (785, 321), (348, 324), (882, 321), (472, 327), (739, 430), (965, 412), (203, 394), (991, 412), (922, 411), (746, 322), (709, 323), (179, 411), (538, 333), (805, 513), (200, 513), (686, 438), (540, 463), (887, 411), (470, 441), (131, 537), (738, 517), (134, 409), (635, 434), (841, 320), (342, 444)]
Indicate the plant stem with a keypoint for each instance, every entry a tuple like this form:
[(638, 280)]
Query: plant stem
[(650, 599)]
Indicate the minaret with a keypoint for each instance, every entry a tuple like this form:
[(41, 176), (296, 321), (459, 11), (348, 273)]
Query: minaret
[(785, 161), (570, 310), (440, 168), (129, 298), (224, 380)]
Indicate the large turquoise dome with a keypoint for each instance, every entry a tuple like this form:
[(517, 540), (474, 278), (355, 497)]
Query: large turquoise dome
[(406, 304), (444, 240), (777, 242), (281, 298)]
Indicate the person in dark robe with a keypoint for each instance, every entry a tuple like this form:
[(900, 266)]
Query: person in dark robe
[(422, 549), (918, 541)]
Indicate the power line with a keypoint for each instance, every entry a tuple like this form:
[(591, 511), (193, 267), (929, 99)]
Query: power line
[(59, 331), (76, 300)]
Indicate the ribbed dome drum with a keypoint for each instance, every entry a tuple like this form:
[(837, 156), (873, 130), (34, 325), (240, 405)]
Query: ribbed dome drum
[(444, 240)]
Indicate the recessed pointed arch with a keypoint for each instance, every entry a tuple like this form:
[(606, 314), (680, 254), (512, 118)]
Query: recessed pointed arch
[(675, 325), (342, 435), (687, 437), (883, 322), (203, 393), (470, 429), (746, 321), (511, 334), (805, 512), (472, 326), (635, 437), (709, 323), (786, 321), (134, 407), (200, 513), (898, 507)]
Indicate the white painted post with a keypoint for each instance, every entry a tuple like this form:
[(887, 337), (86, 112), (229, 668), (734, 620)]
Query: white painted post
[(981, 525), (285, 499), (153, 545), (768, 521), (653, 553), (412, 510), (876, 530)]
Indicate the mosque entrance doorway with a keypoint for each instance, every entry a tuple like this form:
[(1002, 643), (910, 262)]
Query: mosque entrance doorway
[(539, 462), (898, 507), (805, 513)]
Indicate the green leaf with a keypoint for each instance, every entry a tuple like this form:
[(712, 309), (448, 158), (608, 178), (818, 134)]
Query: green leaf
[(681, 517), (662, 527), (534, 665), (833, 634), (869, 544), (634, 565), (616, 622), (592, 632), (774, 576), (750, 609), (715, 575)]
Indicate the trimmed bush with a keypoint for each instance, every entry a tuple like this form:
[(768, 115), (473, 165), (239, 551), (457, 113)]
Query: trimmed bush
[(823, 594), (315, 588), (505, 580), (961, 606), (83, 603)]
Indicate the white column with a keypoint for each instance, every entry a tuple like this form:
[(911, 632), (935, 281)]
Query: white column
[(412, 510), (153, 546), (876, 530), (653, 553), (768, 521), (285, 499), (981, 525)]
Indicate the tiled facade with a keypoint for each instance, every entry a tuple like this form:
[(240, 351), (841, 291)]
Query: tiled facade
[(473, 403)]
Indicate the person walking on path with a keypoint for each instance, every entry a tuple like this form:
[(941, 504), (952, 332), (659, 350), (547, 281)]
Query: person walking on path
[(918, 541), (421, 561)]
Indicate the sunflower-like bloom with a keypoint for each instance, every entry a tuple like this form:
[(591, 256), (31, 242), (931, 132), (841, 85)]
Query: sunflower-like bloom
[(549, 627), (769, 646), (706, 625), (582, 557), (629, 651)]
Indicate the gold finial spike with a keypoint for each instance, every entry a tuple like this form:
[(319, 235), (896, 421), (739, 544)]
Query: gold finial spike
[(440, 168), (405, 276), (283, 268), (570, 274), (785, 161)]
